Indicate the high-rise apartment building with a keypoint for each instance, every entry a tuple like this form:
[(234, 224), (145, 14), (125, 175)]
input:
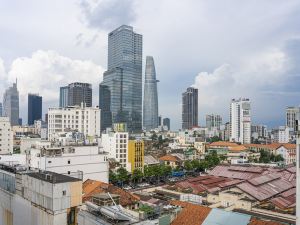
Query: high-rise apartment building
[(11, 104), (240, 121), (190, 108), (166, 123), (1, 109), (6, 136), (150, 110), (291, 116), (85, 120), (63, 96), (120, 93), (34, 108), (213, 121)]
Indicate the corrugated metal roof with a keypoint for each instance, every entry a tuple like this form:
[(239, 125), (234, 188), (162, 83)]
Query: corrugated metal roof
[(222, 217)]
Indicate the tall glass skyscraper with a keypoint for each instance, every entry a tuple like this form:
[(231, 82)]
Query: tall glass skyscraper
[(34, 108), (120, 93), (150, 110), (63, 96), (11, 104), (190, 108)]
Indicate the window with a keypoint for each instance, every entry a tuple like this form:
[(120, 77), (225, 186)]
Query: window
[(64, 193), (49, 161), (69, 172), (69, 161)]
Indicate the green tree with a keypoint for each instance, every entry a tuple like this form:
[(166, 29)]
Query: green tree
[(123, 175), (137, 175), (112, 177), (188, 165), (195, 164)]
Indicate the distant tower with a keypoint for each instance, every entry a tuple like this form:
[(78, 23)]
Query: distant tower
[(190, 108), (11, 104), (34, 108), (63, 96), (0, 109), (150, 111), (80, 93), (166, 122), (240, 121)]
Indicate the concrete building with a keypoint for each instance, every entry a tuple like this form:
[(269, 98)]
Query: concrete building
[(258, 131), (291, 116), (68, 159), (85, 120), (136, 154), (34, 108), (37, 198), (11, 104), (116, 144), (120, 93), (150, 106), (213, 121), (6, 136), (190, 108), (281, 135), (240, 121)]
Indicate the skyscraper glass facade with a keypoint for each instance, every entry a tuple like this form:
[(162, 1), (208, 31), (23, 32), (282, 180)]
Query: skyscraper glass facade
[(34, 108), (63, 96), (80, 93), (150, 110), (11, 104), (120, 93), (190, 108)]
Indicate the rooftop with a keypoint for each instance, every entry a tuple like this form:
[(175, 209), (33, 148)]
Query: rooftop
[(92, 187), (52, 177)]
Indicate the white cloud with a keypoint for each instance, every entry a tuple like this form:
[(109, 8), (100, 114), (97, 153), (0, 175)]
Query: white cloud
[(253, 78), (45, 71)]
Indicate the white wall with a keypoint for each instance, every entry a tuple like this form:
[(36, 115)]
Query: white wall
[(6, 136)]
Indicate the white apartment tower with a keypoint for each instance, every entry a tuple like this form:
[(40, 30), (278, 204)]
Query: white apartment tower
[(116, 144), (240, 120), (6, 136), (291, 114), (85, 120)]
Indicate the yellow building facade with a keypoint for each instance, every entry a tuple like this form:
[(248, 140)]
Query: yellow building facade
[(136, 154)]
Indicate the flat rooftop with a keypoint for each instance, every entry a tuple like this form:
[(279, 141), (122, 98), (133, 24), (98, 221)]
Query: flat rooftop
[(52, 177)]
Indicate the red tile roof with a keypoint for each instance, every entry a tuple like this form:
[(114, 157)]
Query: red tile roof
[(223, 144), (91, 187), (190, 214), (255, 221), (171, 158)]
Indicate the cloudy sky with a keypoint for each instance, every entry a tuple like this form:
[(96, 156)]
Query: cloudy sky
[(227, 49)]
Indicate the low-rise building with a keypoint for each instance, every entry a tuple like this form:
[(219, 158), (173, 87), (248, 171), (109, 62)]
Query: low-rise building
[(38, 198), (68, 159), (171, 160)]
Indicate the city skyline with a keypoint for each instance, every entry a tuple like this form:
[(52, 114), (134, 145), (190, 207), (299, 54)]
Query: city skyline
[(249, 61)]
